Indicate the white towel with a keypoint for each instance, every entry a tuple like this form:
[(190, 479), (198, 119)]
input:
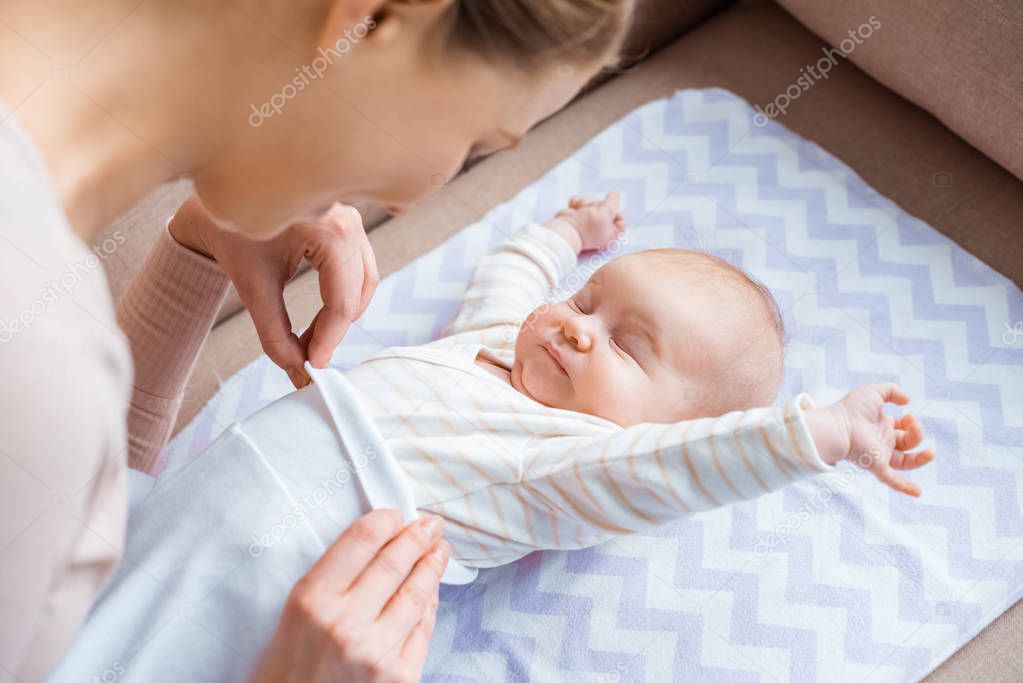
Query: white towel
[(216, 545)]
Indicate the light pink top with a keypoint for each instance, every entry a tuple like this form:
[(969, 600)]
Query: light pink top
[(70, 421)]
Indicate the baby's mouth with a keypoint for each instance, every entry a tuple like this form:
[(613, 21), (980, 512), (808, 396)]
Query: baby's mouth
[(551, 351)]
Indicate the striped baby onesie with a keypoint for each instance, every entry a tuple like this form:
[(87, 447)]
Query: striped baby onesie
[(510, 475)]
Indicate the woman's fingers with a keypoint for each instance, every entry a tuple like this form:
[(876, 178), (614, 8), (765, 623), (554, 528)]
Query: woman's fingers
[(411, 612), (417, 645), (338, 257), (307, 336), (341, 289), (393, 565), (417, 593), (265, 301), (370, 280), (352, 552), (371, 276)]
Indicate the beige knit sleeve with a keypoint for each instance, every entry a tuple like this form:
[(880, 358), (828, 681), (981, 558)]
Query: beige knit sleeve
[(166, 315)]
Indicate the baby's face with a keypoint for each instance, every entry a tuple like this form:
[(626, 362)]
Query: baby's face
[(626, 347)]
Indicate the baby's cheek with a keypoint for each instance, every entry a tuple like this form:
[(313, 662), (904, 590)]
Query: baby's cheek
[(606, 384)]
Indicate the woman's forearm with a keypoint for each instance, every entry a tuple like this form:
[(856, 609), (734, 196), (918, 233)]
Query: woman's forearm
[(166, 315)]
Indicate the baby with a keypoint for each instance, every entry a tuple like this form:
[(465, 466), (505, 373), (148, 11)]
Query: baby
[(640, 399), (671, 334), (658, 336), (636, 400)]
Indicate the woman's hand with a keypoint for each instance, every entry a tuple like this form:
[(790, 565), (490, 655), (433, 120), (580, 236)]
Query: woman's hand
[(857, 429), (590, 223), (366, 610), (336, 246)]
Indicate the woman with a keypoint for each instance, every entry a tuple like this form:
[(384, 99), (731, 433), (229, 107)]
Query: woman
[(277, 109)]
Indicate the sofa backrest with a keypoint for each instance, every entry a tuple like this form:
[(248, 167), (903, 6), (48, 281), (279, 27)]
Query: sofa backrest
[(961, 60)]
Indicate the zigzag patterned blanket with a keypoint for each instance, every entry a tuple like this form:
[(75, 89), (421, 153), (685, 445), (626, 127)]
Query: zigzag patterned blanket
[(832, 578)]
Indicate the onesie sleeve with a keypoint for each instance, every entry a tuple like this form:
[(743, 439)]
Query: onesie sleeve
[(514, 278), (580, 491)]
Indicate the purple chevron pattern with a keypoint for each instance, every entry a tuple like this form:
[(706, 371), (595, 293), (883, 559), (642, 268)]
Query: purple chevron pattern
[(835, 578)]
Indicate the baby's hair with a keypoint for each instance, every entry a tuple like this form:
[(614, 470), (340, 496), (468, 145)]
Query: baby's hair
[(751, 375), (692, 260)]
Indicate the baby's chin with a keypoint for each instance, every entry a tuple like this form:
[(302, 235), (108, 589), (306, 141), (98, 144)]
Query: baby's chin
[(519, 378)]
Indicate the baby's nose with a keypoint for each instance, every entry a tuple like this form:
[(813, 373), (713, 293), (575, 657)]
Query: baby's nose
[(577, 335)]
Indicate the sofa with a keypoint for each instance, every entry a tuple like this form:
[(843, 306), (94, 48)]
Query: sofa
[(928, 110)]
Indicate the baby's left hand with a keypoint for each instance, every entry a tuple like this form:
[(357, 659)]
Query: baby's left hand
[(597, 221), (857, 429)]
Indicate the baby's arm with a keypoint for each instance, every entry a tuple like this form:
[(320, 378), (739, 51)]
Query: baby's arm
[(579, 491), (517, 276)]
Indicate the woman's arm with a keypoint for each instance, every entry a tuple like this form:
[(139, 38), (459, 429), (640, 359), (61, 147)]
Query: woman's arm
[(169, 308), (166, 314)]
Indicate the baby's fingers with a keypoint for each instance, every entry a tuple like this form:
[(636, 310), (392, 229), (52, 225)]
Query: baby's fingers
[(888, 477), (619, 221), (908, 433), (910, 461), (578, 202), (891, 393), (613, 200)]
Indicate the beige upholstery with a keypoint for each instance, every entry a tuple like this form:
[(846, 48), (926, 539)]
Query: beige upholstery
[(754, 49), (961, 60)]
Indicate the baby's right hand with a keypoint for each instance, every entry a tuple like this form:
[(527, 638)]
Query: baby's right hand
[(857, 429), (597, 221)]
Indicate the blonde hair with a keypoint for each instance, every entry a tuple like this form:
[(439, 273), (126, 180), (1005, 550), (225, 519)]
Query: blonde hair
[(750, 380), (532, 34)]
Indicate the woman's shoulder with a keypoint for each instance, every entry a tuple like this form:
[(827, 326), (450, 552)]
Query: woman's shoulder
[(60, 347), (27, 189)]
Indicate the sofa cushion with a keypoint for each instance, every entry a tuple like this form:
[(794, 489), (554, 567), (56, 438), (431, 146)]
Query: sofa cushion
[(961, 60)]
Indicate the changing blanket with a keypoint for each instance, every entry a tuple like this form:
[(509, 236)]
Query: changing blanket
[(834, 578)]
